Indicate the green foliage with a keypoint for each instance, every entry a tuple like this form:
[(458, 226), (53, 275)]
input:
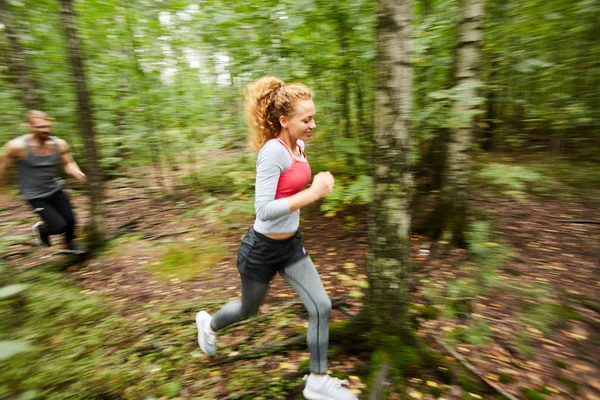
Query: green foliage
[(565, 177), (192, 260), (358, 192), (426, 311), (546, 316), (71, 340), (223, 176), (9, 348), (479, 334), (531, 394), (572, 385), (6, 292), (505, 379), (560, 364), (512, 181)]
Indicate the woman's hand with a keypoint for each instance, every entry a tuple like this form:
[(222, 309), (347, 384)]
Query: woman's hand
[(322, 184)]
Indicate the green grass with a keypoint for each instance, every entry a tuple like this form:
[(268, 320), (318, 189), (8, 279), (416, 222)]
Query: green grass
[(530, 394), (539, 174), (190, 260), (74, 343)]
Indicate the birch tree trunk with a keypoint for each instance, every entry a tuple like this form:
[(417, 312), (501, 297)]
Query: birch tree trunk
[(19, 69), (451, 210), (96, 227), (389, 225)]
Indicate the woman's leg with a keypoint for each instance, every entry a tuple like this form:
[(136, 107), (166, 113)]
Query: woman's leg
[(304, 278), (253, 293)]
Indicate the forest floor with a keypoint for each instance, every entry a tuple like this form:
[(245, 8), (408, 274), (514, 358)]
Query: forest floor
[(535, 327)]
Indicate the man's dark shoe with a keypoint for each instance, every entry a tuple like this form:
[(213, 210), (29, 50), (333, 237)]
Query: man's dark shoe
[(41, 241), (74, 248)]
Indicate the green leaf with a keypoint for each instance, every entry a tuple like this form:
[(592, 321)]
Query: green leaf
[(11, 290), (9, 348), (15, 238), (171, 389)]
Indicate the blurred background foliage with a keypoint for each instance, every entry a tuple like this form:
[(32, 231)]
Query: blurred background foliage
[(167, 78), (166, 81)]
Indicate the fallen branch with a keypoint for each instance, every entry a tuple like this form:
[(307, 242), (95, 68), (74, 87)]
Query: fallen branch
[(16, 253), (380, 382), (107, 203), (578, 221), (162, 235), (465, 363), (125, 227)]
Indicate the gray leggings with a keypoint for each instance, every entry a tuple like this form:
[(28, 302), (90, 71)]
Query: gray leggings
[(303, 277)]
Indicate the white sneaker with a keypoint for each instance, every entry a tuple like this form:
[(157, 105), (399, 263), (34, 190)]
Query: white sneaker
[(206, 336), (42, 242), (326, 388)]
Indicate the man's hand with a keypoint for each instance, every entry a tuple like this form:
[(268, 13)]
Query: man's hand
[(80, 176)]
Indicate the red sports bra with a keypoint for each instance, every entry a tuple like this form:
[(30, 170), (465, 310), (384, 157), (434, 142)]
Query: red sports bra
[(295, 178)]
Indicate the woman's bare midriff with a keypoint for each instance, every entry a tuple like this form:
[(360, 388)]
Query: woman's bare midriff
[(280, 236)]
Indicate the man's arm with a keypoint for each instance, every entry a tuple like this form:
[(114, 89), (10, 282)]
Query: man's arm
[(69, 163), (8, 157)]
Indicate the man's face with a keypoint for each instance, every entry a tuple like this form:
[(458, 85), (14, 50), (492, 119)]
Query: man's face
[(40, 127)]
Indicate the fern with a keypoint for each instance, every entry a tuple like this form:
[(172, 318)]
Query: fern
[(512, 181)]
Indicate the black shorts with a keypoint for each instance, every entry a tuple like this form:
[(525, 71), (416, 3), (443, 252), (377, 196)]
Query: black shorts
[(260, 257)]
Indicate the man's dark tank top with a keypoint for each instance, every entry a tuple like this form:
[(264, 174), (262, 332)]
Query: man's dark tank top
[(38, 175)]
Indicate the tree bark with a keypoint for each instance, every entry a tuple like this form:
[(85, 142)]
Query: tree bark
[(452, 206), (19, 69), (389, 225), (96, 227)]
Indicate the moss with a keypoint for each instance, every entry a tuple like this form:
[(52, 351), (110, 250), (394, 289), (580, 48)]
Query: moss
[(425, 311), (304, 364), (530, 394), (544, 390), (469, 385), (561, 364), (506, 379), (573, 386), (435, 391)]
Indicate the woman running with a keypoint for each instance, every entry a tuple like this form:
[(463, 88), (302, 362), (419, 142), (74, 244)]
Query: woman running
[(281, 118)]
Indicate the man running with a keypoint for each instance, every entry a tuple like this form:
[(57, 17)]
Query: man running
[(36, 155)]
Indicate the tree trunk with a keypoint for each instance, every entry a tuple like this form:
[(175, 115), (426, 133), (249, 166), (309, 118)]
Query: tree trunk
[(143, 88), (389, 226), (452, 205), (96, 227), (20, 72), (491, 117)]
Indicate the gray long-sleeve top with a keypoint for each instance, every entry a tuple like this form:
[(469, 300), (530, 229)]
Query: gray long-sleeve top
[(273, 215)]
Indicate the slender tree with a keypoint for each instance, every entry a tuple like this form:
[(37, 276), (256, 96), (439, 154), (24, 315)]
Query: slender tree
[(450, 216), (96, 228), (389, 226), (19, 69)]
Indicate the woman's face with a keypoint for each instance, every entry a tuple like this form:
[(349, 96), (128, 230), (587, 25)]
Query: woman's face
[(301, 122)]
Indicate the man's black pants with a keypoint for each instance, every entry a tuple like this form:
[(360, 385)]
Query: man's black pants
[(57, 214)]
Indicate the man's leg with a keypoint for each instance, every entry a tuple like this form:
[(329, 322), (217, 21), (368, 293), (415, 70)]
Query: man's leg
[(53, 224), (63, 206)]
